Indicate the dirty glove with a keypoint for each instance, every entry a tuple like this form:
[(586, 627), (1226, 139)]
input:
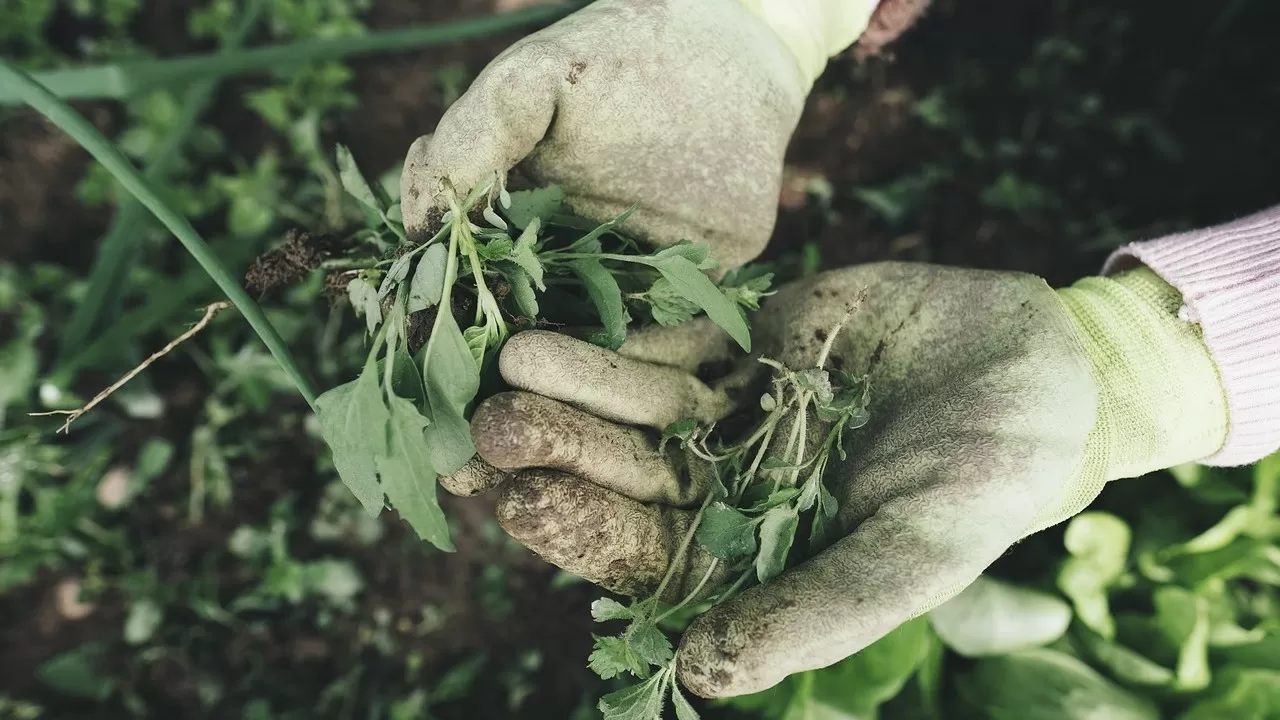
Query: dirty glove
[(681, 107), (998, 407)]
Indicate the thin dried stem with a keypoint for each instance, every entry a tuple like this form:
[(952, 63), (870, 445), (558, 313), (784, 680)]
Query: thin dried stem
[(209, 312)]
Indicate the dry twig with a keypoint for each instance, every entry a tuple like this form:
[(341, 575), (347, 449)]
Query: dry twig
[(209, 312)]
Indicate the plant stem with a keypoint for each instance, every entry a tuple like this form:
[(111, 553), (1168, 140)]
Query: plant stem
[(678, 558), (74, 124), (692, 593)]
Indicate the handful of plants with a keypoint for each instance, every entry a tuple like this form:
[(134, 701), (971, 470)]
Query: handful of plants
[(437, 314)]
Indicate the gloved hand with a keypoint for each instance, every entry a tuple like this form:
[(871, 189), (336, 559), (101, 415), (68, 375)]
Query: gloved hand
[(998, 407), (681, 107)]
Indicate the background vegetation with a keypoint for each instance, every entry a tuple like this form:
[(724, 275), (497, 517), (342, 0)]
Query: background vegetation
[(187, 549)]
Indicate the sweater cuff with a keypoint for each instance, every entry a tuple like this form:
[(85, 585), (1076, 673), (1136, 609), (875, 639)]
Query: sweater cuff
[(1229, 277)]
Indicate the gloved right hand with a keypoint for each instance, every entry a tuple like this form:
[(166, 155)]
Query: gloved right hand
[(998, 407), (683, 108)]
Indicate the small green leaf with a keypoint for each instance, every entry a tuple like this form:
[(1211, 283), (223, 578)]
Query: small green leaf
[(427, 285), (777, 533), (667, 306), (768, 403), (604, 609), (693, 285), (526, 205), (726, 532), (498, 248), (396, 274), (408, 478), (684, 710), (681, 430), (606, 296), (818, 382), (638, 702), (364, 299), (590, 243), (1239, 694), (353, 420), (746, 290), (991, 617), (1183, 617), (522, 291), (1099, 547), (144, 618), (353, 181), (406, 378), (477, 338), (524, 255), (77, 673), (613, 656), (649, 643), (696, 253), (452, 379)]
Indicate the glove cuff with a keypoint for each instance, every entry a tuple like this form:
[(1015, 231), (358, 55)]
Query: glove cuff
[(814, 30), (1161, 400)]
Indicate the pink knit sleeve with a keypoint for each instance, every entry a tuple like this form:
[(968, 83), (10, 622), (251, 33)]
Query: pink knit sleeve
[(1229, 277)]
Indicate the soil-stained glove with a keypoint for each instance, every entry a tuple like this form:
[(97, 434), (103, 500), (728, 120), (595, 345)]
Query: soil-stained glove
[(998, 407), (683, 108)]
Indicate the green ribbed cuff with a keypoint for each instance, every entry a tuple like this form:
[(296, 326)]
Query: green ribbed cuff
[(1161, 402)]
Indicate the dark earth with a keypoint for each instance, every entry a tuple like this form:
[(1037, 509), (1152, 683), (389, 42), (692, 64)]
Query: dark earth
[(1119, 121)]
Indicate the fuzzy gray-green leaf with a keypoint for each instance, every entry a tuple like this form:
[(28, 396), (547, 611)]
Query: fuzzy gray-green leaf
[(408, 477), (354, 420)]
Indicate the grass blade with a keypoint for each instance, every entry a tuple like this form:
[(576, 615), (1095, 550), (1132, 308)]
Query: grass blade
[(73, 123), (121, 80)]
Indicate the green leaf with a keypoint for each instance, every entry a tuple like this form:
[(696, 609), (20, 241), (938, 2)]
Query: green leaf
[(408, 478), (1240, 694), (613, 656), (638, 702), (524, 255), (353, 181), (396, 274), (76, 673), (606, 296), (498, 248), (590, 243), (1099, 547), (1125, 664), (144, 618), (527, 205), (991, 617), (684, 710), (681, 430), (353, 420), (477, 338), (406, 379), (697, 253), (650, 644), (522, 291), (777, 533), (746, 290), (727, 533), (1043, 684), (364, 299), (818, 382), (604, 609), (857, 685), (694, 286), (1183, 617), (452, 379), (667, 306), (427, 285)]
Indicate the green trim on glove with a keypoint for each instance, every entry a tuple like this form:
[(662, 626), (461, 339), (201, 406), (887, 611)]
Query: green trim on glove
[(814, 30), (1160, 398)]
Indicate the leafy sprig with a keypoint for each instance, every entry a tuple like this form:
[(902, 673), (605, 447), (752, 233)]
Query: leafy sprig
[(403, 421), (762, 487)]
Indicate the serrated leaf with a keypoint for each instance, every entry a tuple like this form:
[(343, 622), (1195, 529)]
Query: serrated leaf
[(607, 298), (498, 248), (777, 533), (427, 286), (638, 702), (529, 204), (452, 379), (650, 644), (748, 292), (726, 532), (353, 181), (408, 478), (604, 609), (365, 301), (524, 255), (818, 382), (353, 420), (684, 710), (667, 306), (613, 656)]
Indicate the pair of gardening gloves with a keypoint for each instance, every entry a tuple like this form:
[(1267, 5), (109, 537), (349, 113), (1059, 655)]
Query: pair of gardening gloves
[(998, 406)]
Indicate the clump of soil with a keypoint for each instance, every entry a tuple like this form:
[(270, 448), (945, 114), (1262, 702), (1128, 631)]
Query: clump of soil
[(301, 253)]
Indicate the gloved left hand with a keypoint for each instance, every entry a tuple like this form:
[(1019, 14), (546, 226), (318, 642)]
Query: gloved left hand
[(998, 407)]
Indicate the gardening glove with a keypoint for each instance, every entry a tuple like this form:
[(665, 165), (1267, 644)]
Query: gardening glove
[(683, 108), (998, 407)]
